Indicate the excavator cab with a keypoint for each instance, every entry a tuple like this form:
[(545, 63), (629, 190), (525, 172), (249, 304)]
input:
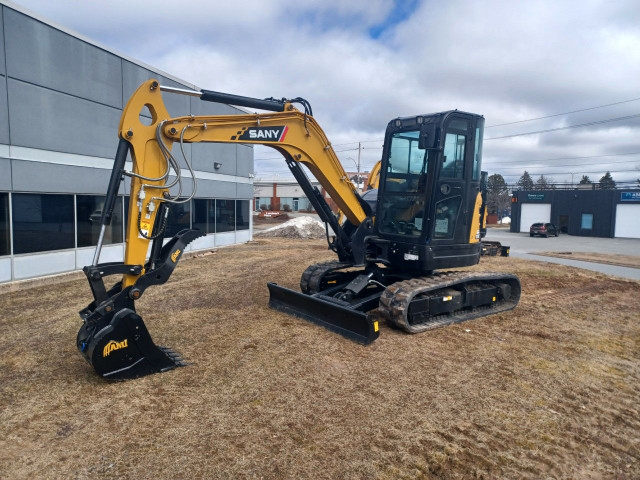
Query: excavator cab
[(429, 188), (426, 216)]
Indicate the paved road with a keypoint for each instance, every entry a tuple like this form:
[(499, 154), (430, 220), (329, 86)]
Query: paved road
[(523, 246)]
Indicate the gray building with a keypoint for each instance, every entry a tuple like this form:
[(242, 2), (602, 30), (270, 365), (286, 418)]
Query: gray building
[(61, 96), (579, 211)]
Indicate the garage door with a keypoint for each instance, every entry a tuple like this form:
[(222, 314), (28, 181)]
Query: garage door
[(627, 224), (532, 213)]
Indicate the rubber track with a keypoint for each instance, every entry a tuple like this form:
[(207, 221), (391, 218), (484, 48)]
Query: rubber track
[(313, 275), (395, 300)]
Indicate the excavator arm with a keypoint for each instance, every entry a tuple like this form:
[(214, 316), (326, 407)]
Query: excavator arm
[(113, 337), (295, 134)]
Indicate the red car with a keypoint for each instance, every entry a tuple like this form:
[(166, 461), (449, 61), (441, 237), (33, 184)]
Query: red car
[(543, 229)]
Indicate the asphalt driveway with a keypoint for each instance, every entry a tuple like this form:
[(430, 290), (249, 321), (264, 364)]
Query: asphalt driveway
[(524, 246)]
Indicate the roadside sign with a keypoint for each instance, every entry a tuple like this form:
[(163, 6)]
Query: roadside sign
[(630, 196), (535, 197)]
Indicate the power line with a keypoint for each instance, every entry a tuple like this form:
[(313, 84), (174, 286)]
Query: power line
[(598, 122), (335, 151), (603, 170), (351, 143), (565, 158), (564, 113), (558, 166)]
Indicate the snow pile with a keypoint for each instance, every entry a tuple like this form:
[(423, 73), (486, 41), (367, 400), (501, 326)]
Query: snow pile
[(298, 227)]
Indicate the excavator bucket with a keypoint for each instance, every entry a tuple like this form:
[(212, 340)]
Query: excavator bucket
[(123, 349), (334, 315)]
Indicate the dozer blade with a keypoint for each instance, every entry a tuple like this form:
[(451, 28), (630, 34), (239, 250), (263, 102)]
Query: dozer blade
[(337, 317), (123, 349)]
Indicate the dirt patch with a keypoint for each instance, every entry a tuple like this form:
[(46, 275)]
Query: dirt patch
[(548, 390), (632, 261), (283, 217), (298, 227)]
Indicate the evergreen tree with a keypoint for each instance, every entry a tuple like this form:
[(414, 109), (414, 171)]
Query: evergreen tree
[(498, 199), (607, 181), (544, 183), (585, 180), (525, 182)]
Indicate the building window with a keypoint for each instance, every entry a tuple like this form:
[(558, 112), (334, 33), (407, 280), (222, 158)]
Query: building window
[(199, 214), (225, 216), (179, 218), (5, 243), (286, 203), (242, 214), (42, 222), (88, 215), (204, 215), (587, 221)]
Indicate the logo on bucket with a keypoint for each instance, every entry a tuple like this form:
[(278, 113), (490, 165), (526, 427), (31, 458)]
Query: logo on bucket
[(113, 345), (174, 255)]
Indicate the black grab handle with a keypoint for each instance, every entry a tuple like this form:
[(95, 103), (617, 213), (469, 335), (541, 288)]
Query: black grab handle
[(114, 182), (240, 101)]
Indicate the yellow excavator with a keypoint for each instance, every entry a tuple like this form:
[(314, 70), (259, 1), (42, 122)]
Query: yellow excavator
[(425, 215)]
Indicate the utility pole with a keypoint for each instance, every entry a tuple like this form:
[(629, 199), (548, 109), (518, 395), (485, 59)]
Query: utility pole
[(359, 149)]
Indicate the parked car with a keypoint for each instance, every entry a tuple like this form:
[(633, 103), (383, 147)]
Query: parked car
[(543, 229)]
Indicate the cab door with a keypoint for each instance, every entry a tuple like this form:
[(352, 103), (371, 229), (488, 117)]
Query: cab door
[(450, 209)]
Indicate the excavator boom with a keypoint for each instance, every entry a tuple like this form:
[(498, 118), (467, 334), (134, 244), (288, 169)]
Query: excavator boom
[(113, 337)]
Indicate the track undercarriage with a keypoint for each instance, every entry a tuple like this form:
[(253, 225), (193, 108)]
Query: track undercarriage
[(345, 299)]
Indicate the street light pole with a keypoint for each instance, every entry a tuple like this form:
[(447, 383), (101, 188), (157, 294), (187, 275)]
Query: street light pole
[(359, 149)]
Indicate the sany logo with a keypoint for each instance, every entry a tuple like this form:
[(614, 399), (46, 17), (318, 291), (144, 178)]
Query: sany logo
[(264, 134)]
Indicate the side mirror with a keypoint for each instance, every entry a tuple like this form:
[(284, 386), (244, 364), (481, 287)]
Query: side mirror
[(428, 139)]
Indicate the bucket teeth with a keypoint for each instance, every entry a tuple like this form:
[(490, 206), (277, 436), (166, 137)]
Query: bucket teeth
[(174, 356)]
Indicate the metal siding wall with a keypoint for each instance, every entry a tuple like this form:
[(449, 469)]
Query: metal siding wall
[(5, 269), (206, 154), (290, 191), (244, 159), (65, 95), (597, 202), (39, 54), (216, 189), (4, 112), (244, 190), (29, 266), (5, 174), (2, 57), (55, 178), (48, 120)]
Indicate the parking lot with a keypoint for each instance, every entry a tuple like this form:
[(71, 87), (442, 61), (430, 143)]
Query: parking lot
[(524, 246)]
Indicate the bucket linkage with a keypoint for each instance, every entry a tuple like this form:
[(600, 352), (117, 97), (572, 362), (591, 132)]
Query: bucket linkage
[(113, 337)]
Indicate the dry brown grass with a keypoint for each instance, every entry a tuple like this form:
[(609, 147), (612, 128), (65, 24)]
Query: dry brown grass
[(548, 390), (632, 261)]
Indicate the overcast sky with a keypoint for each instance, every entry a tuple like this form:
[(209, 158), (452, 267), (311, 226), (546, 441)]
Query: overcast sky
[(362, 63)]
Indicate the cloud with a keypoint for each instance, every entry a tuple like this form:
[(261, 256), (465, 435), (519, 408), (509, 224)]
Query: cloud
[(360, 64)]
